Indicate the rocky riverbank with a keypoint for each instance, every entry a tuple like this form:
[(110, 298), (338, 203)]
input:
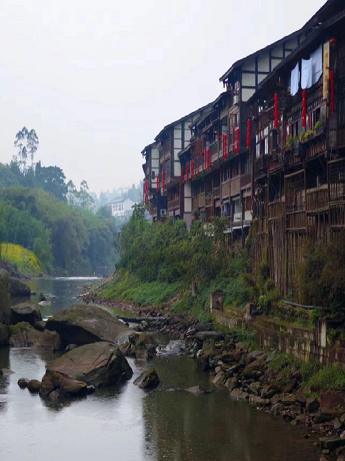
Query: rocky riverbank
[(248, 375)]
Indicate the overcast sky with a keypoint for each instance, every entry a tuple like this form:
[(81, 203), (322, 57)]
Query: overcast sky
[(98, 80)]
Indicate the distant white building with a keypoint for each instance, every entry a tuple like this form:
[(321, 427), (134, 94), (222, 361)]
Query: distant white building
[(122, 207)]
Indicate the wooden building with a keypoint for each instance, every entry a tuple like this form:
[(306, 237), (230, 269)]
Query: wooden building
[(299, 149)]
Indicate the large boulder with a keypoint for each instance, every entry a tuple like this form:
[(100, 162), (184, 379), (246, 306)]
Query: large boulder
[(5, 312), (332, 399), (87, 324), (25, 313), (98, 364), (56, 385), (4, 334), (18, 288), (25, 335)]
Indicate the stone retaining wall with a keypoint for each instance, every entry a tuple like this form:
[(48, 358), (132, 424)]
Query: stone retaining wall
[(304, 343)]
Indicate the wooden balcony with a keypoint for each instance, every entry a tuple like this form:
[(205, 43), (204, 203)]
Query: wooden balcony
[(296, 221), (174, 204), (317, 199), (197, 147), (216, 192), (337, 213), (276, 210), (214, 152), (315, 144), (245, 180), (201, 199), (209, 200), (225, 189), (235, 186)]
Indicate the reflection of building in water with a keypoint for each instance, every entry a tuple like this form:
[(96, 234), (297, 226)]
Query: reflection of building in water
[(122, 207)]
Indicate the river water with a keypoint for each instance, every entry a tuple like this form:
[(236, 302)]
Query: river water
[(126, 423)]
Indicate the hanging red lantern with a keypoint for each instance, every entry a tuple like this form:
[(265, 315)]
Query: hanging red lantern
[(225, 146), (192, 168), (304, 109), (157, 184), (249, 125), (219, 137), (331, 88)]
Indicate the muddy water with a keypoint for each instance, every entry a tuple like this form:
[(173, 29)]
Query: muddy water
[(126, 423)]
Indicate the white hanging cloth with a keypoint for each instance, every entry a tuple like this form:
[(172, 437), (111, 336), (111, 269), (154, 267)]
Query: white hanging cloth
[(294, 87), (316, 63), (307, 74)]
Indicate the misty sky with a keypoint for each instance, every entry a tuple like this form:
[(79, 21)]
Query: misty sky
[(98, 80)]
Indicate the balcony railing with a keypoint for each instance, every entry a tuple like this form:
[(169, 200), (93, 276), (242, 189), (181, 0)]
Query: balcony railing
[(225, 189), (235, 186), (245, 180), (296, 220), (173, 204), (276, 209), (317, 199), (216, 192), (208, 200)]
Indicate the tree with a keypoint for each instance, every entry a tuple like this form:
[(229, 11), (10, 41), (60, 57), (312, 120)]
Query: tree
[(52, 179), (27, 144)]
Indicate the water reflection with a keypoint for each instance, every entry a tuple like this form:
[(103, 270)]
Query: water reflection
[(181, 426)]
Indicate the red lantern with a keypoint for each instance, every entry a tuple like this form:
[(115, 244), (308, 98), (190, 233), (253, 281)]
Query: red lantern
[(219, 137), (157, 184), (225, 146), (249, 125), (304, 109), (192, 169), (331, 87)]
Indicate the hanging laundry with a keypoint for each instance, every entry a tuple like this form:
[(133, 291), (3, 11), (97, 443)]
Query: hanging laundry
[(307, 74), (316, 63), (294, 80)]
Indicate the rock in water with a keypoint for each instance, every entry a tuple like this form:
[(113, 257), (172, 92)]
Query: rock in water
[(87, 324), (5, 312), (148, 379), (18, 288), (25, 335), (98, 364), (25, 313)]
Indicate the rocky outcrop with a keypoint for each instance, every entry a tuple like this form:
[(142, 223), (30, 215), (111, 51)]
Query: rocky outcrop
[(98, 364), (25, 313), (59, 386), (148, 379), (25, 335), (18, 288), (87, 324), (5, 312), (141, 346)]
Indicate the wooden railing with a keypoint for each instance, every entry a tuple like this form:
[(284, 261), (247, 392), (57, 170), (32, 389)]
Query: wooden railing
[(225, 189), (317, 199), (337, 212), (276, 209), (296, 220), (174, 203), (208, 200), (235, 186), (245, 180), (216, 192)]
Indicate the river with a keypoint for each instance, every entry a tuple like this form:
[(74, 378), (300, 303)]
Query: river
[(126, 423)]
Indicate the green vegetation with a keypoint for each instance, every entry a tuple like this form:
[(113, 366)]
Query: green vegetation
[(315, 376), (321, 276), (23, 260), (160, 262)]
